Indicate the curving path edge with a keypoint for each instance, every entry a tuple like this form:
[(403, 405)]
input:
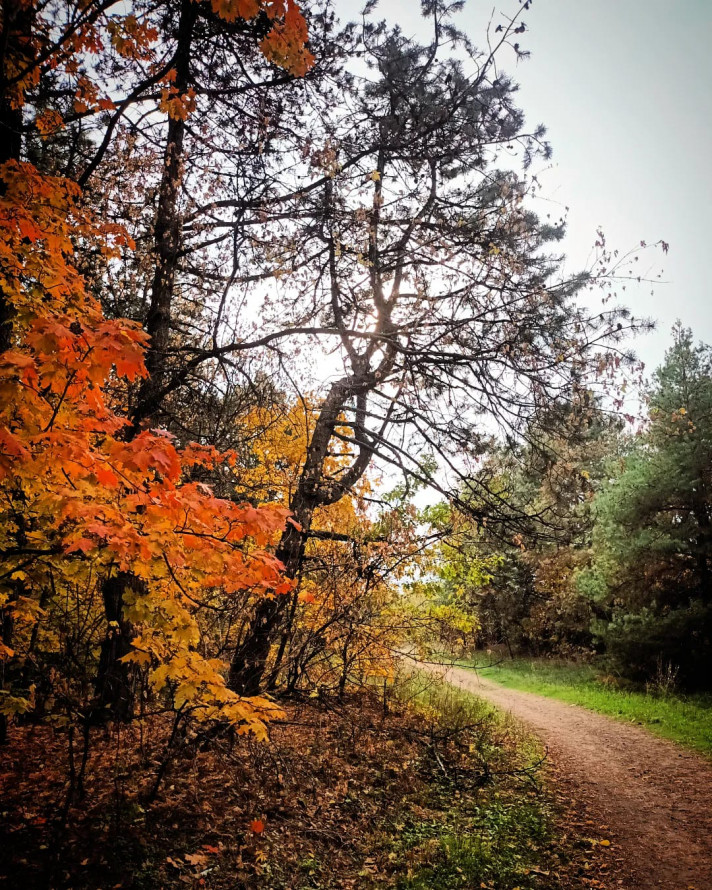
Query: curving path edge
[(655, 796)]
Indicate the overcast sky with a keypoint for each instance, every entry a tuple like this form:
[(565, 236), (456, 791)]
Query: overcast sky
[(624, 88)]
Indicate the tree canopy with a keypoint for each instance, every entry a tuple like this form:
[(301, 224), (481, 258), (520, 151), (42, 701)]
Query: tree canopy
[(263, 275)]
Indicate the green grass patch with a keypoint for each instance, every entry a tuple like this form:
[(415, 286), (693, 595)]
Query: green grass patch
[(684, 719), (490, 824), (497, 845)]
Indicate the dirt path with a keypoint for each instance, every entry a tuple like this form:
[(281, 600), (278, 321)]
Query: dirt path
[(655, 797)]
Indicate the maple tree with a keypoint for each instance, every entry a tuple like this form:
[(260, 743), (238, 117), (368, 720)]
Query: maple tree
[(81, 499)]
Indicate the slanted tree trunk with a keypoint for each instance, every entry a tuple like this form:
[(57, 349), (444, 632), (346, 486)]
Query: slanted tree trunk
[(314, 490), (250, 658)]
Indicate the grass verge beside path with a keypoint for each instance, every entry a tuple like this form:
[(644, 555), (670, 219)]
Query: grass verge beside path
[(489, 818), (687, 720)]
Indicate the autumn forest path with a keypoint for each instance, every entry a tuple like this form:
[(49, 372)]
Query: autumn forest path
[(655, 797)]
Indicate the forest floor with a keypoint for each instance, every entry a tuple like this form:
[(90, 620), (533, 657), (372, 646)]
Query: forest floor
[(431, 789), (655, 797)]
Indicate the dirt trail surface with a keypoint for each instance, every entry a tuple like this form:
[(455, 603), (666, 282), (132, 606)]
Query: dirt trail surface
[(655, 797)]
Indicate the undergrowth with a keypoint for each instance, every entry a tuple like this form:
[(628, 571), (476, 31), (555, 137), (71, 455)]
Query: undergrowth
[(488, 821), (430, 788)]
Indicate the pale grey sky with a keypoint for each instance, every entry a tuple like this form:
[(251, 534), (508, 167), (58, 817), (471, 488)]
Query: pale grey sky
[(624, 88)]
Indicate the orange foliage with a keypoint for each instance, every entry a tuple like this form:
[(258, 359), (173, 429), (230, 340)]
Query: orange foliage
[(78, 499)]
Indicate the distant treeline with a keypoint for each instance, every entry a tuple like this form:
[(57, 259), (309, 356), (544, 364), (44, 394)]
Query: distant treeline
[(617, 560)]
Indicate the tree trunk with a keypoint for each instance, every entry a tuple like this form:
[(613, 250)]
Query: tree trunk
[(250, 658), (14, 38), (167, 235), (114, 678)]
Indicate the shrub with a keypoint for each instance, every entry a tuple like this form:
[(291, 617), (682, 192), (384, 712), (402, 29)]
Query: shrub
[(644, 646)]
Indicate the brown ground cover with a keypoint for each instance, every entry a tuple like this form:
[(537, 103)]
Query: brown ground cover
[(343, 795)]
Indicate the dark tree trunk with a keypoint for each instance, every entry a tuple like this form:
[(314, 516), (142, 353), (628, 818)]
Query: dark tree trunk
[(167, 236), (284, 641), (250, 658), (249, 661), (14, 37), (114, 679)]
